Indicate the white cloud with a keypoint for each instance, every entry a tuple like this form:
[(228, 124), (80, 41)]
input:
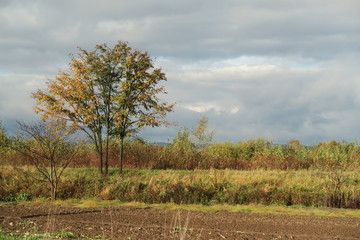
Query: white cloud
[(217, 107)]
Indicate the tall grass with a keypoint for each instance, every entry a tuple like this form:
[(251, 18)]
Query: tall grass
[(207, 187), (326, 174)]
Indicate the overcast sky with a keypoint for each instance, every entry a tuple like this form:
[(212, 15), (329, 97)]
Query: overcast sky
[(280, 69)]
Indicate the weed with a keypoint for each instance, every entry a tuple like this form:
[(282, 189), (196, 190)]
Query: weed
[(180, 227), (21, 197), (63, 234), (12, 236)]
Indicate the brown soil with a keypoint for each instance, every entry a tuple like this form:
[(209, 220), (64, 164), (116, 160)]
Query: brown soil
[(149, 223)]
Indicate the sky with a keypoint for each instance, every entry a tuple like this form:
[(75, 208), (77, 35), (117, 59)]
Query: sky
[(278, 70)]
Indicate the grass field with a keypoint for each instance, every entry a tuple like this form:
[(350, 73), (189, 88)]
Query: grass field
[(311, 188)]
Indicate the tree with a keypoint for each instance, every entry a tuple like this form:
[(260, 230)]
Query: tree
[(108, 91), (202, 135), (3, 138), (48, 147), (182, 142), (293, 145)]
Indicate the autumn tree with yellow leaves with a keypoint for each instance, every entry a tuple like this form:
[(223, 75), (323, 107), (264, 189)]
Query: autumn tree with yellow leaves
[(107, 92)]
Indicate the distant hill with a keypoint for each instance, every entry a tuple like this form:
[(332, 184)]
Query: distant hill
[(160, 143)]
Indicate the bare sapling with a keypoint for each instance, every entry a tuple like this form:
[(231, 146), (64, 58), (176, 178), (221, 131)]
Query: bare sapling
[(48, 148)]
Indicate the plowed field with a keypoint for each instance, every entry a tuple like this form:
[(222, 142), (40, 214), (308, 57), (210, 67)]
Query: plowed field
[(149, 223)]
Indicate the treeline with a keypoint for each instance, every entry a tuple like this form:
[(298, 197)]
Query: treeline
[(248, 155)]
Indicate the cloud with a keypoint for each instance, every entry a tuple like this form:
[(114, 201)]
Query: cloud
[(280, 70), (275, 98), (188, 29), (15, 101)]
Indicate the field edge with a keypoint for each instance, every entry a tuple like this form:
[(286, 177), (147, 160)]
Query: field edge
[(252, 208)]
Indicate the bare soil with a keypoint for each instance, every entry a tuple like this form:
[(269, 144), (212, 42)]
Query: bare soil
[(149, 223)]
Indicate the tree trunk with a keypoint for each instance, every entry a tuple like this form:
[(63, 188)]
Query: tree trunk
[(107, 158), (52, 180), (100, 170), (100, 166), (53, 191), (107, 151), (107, 137), (121, 156)]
